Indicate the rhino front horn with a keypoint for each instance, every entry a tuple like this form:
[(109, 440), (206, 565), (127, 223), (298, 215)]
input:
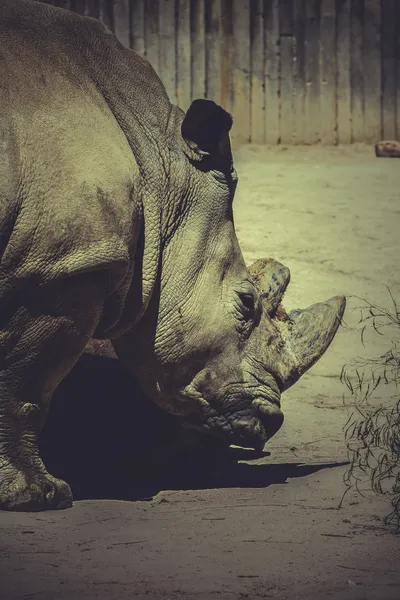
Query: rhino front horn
[(308, 333), (305, 334)]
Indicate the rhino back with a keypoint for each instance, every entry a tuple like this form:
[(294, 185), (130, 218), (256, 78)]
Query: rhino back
[(83, 49)]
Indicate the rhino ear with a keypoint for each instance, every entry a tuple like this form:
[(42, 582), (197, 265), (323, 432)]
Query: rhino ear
[(206, 126)]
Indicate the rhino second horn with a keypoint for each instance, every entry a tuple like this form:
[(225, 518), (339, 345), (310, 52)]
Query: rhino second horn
[(271, 278), (308, 334)]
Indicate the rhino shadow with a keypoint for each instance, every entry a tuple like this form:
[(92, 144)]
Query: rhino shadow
[(108, 440)]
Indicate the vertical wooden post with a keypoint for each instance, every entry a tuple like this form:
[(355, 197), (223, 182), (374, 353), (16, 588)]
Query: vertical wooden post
[(372, 71), (313, 87), (343, 71), (137, 26), (151, 19), (78, 6), (357, 70), (183, 54), (389, 75), (328, 73), (63, 3), (213, 50), (227, 55), (257, 72), (272, 70), (286, 72), (397, 56), (121, 22), (241, 74), (92, 8), (299, 75), (166, 26), (107, 13), (198, 55)]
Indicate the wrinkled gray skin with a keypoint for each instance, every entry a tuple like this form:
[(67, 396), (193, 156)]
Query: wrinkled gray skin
[(116, 223)]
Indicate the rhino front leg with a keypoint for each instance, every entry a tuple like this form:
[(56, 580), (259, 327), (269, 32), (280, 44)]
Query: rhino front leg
[(41, 338)]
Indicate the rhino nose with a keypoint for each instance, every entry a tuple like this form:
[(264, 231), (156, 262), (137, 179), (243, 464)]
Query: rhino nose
[(270, 416), (273, 423)]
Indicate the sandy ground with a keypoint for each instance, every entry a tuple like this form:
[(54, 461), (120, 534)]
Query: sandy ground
[(239, 527)]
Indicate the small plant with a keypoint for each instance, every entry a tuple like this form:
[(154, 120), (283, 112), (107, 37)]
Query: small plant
[(372, 431)]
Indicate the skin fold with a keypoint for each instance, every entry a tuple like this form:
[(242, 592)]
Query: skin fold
[(116, 224)]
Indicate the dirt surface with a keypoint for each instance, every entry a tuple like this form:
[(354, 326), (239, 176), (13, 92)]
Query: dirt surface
[(242, 527)]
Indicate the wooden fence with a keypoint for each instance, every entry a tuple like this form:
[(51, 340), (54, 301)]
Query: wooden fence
[(290, 71)]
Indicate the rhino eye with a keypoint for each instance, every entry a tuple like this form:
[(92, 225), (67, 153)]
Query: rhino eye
[(249, 303)]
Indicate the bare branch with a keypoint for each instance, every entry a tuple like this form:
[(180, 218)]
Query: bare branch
[(372, 431)]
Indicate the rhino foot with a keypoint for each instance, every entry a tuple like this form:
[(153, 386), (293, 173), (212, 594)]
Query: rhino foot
[(26, 490)]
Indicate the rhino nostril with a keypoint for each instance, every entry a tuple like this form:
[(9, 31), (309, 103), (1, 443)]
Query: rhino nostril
[(269, 414), (279, 383), (274, 423)]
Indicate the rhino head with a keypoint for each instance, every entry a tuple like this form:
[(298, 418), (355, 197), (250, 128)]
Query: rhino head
[(215, 346)]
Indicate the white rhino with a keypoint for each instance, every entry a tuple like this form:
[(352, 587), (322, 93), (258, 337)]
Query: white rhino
[(116, 223)]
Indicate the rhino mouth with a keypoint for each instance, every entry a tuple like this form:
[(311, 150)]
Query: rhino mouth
[(241, 418), (253, 428)]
